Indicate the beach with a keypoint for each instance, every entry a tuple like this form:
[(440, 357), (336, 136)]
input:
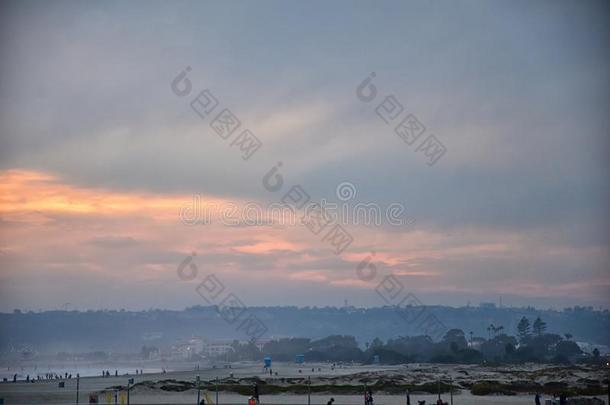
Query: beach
[(326, 382)]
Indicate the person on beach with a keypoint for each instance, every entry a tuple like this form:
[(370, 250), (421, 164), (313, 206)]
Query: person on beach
[(330, 402), (537, 399), (408, 398)]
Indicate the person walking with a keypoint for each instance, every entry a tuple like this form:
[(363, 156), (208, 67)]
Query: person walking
[(331, 401), (537, 399)]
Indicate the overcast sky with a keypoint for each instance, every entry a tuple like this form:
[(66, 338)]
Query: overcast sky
[(98, 156)]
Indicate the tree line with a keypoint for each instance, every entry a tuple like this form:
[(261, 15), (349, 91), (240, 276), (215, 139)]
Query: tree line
[(530, 344)]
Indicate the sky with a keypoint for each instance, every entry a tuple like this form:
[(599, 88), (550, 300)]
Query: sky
[(105, 166)]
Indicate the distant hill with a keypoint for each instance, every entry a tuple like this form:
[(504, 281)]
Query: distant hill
[(126, 331)]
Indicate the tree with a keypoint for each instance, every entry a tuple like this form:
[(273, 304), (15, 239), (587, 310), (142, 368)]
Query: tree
[(539, 326), (456, 337), (523, 329), (567, 349), (496, 349), (376, 343), (596, 353), (494, 330), (543, 346), (490, 328)]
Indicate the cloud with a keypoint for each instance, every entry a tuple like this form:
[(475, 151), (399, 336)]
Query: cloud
[(97, 153), (112, 242)]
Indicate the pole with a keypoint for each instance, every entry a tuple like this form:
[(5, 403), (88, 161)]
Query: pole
[(216, 391), (77, 386), (198, 390), (129, 382), (309, 390), (365, 401), (439, 389), (451, 390)]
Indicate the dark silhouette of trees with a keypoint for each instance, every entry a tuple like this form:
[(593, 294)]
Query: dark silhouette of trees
[(567, 349), (523, 329), (455, 337), (539, 326), (494, 330), (495, 349), (452, 348)]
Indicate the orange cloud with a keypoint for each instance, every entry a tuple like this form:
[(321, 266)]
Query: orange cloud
[(23, 192), (316, 276), (352, 282), (267, 247)]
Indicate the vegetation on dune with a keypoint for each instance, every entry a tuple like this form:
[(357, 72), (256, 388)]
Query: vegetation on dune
[(244, 387), (387, 385)]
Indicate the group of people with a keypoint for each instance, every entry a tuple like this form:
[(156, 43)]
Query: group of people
[(47, 376), (106, 373), (368, 397)]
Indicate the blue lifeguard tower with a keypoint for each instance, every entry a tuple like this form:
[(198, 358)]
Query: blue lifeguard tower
[(300, 359), (267, 361)]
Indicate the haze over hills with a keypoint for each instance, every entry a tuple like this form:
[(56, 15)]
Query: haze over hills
[(126, 331)]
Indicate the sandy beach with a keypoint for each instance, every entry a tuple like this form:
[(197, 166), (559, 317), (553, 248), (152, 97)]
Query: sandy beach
[(147, 387)]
